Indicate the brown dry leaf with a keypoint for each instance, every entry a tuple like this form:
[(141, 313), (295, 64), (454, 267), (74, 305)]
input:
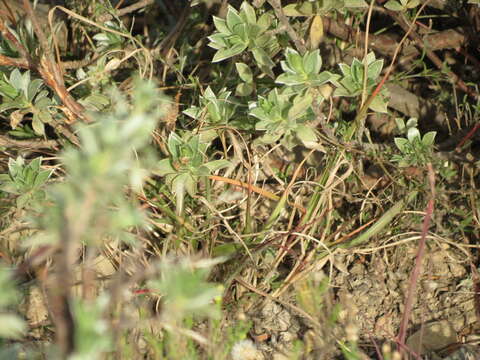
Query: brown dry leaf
[(170, 118), (432, 337), (316, 32), (37, 312), (103, 266), (16, 118)]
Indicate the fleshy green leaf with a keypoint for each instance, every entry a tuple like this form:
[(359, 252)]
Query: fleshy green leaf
[(429, 138), (221, 25), (300, 106), (244, 72), (38, 125), (312, 62), (374, 69), (306, 134), (244, 89), (226, 53), (413, 134), (233, 18), (216, 164), (164, 167), (249, 12), (263, 61), (401, 143), (393, 5), (378, 104)]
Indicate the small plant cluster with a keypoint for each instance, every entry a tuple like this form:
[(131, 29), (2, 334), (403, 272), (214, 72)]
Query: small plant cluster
[(23, 95), (416, 150)]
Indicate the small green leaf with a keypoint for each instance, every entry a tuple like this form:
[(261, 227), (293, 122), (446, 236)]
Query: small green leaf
[(413, 134), (174, 141), (378, 104), (227, 53), (7, 90), (35, 164), (248, 13), (401, 143), (16, 79), (194, 112), (217, 41), (324, 77), (42, 178), (264, 22), (244, 89), (374, 69), (244, 72), (164, 167), (300, 106), (393, 5), (357, 71), (413, 4), (45, 117), (429, 138), (216, 164), (38, 125), (300, 9), (355, 4), (190, 185), (306, 134), (226, 249), (32, 89), (22, 200), (263, 61), (289, 79), (312, 62), (294, 60), (221, 25), (400, 125), (345, 69), (233, 18), (412, 122)]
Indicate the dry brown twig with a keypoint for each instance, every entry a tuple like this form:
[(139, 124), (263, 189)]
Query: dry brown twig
[(299, 43), (5, 141), (50, 70), (409, 28), (415, 275)]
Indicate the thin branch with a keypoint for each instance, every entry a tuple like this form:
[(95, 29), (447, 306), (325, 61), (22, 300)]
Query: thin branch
[(5, 141), (415, 275), (459, 83), (50, 70), (299, 43)]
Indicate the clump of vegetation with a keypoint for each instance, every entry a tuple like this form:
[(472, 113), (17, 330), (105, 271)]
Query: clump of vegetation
[(180, 188)]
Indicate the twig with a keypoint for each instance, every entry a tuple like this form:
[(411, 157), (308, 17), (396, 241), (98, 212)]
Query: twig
[(127, 10), (49, 69), (365, 64), (8, 61), (431, 55), (385, 45), (299, 43), (250, 187), (296, 309), (359, 119), (418, 262), (31, 144)]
